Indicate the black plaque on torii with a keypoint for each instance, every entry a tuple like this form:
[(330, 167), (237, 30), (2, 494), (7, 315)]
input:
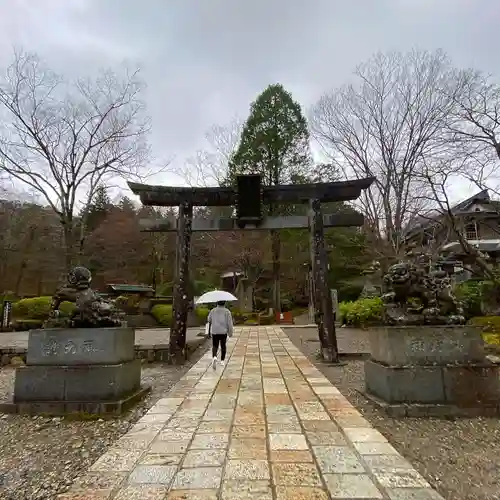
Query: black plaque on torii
[(248, 196)]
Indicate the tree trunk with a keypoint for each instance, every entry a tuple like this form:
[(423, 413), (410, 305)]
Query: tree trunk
[(81, 239), (20, 276), (69, 244), (276, 255), (40, 285), (24, 261), (181, 297)]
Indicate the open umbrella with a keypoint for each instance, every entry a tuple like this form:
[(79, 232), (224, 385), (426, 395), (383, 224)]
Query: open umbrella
[(216, 296)]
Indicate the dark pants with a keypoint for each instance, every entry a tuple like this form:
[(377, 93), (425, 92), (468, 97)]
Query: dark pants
[(216, 340)]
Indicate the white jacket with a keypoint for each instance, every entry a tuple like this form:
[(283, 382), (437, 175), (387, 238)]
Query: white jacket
[(221, 321)]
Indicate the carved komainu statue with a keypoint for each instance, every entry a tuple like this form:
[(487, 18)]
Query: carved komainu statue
[(91, 310), (416, 294)]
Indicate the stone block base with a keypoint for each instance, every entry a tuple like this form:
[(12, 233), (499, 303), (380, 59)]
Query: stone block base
[(154, 353), (91, 383), (466, 386), (444, 411), (80, 346), (426, 345), (75, 409)]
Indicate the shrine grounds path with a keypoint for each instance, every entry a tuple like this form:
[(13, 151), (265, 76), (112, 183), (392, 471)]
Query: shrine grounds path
[(266, 426), (459, 457)]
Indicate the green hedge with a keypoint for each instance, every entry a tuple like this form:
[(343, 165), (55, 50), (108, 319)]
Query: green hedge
[(22, 325), (361, 312), (491, 328), (266, 319), (469, 293), (165, 289), (38, 308), (162, 313), (241, 318), (202, 313), (127, 301)]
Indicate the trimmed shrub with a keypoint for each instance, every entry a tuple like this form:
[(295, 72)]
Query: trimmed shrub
[(470, 293), (202, 313), (492, 338), (266, 319), (491, 328), (361, 312), (348, 292), (240, 318), (201, 286), (161, 300), (22, 325), (38, 308), (490, 298), (166, 289), (262, 304), (162, 313), (251, 322), (128, 303)]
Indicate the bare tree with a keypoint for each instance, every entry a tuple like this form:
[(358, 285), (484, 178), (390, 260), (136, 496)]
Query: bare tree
[(475, 121), (474, 129), (383, 126), (62, 139), (209, 166)]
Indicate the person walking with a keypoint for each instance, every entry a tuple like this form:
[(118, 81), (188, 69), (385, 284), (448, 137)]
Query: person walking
[(220, 322)]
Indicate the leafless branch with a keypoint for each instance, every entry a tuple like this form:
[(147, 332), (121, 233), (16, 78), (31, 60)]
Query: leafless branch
[(62, 139), (383, 126), (209, 166), (475, 122)]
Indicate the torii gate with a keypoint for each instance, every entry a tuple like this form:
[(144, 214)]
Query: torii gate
[(248, 196)]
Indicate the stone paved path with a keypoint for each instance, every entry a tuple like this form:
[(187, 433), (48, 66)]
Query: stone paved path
[(267, 426)]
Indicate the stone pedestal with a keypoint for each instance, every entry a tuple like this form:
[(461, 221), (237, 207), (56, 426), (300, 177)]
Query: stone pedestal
[(431, 371), (82, 370)]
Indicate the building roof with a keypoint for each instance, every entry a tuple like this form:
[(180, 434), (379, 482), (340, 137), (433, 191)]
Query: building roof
[(123, 288), (421, 222), (484, 245)]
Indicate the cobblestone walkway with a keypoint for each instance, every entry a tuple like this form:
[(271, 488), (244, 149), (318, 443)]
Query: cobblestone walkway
[(267, 426)]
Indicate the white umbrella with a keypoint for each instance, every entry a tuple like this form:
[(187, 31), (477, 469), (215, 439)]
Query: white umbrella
[(215, 296)]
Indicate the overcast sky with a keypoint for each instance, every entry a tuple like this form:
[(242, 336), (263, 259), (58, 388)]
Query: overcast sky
[(204, 61)]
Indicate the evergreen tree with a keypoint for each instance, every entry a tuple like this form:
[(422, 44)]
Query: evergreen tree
[(274, 143), (98, 210), (126, 205)]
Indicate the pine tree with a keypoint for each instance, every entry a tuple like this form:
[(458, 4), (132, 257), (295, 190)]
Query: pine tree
[(98, 209), (126, 205), (274, 143)]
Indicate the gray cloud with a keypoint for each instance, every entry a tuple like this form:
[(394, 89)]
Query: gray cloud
[(205, 60)]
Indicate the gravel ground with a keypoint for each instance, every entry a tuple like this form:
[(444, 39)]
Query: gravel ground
[(460, 458), (40, 457)]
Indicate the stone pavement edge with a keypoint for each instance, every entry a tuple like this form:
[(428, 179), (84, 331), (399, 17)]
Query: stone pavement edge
[(266, 426)]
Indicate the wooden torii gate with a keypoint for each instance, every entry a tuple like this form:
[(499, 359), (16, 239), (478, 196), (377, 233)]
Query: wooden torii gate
[(248, 196)]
